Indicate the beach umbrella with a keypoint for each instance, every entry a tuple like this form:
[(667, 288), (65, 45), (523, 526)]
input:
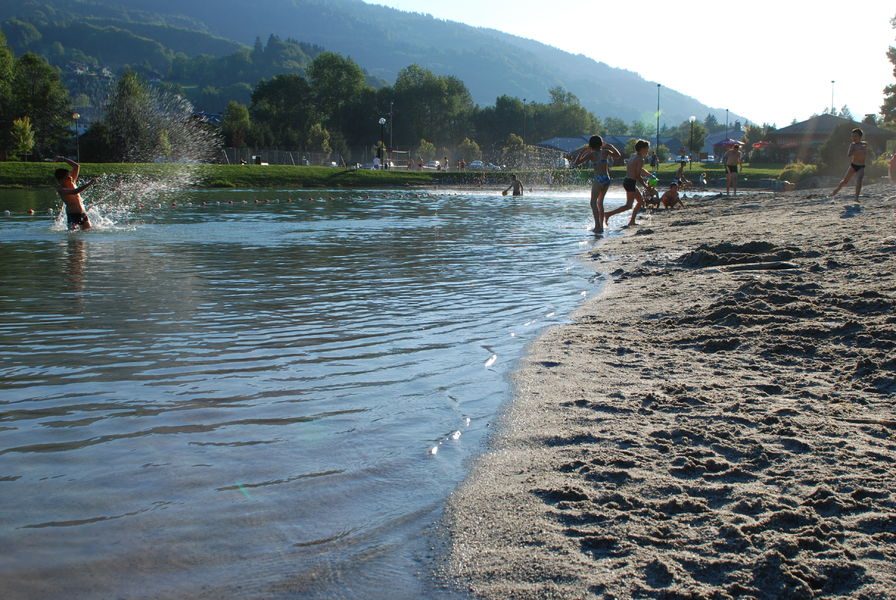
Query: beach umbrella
[(729, 142), (761, 145)]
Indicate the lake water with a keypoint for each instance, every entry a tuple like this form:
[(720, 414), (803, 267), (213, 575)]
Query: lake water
[(270, 395)]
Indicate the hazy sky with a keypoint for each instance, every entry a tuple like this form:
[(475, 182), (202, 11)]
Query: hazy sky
[(769, 60)]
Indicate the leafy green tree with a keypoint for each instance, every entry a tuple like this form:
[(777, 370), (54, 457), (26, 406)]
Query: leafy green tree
[(127, 120), (469, 150), (662, 152), (22, 137), (6, 70), (888, 108), (235, 124), (615, 126), (284, 106), (335, 81), (319, 140), (430, 106), (712, 124), (514, 151), (38, 92), (641, 129), (426, 150)]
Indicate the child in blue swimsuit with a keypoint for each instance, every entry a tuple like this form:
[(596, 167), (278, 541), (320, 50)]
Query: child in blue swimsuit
[(600, 155)]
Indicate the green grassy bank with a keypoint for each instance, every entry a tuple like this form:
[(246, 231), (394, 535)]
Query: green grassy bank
[(36, 175)]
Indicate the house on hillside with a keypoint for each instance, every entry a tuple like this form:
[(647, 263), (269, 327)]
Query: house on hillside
[(803, 140), (568, 144)]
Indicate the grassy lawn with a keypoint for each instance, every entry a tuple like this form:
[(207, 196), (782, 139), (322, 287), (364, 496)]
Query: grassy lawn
[(36, 175)]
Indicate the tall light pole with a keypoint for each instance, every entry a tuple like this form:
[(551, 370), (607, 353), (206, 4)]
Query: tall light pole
[(383, 142), (391, 125), (657, 118), (524, 120), (692, 118), (726, 123), (75, 118), (833, 111)]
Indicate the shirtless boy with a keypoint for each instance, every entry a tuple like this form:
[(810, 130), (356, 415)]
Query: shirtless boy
[(858, 149), (671, 199), (71, 195), (733, 159), (634, 174), (599, 154), (516, 185)]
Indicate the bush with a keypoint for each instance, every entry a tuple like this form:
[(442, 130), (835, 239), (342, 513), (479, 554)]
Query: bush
[(879, 168), (794, 172)]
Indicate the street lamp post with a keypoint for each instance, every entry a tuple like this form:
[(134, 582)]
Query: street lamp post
[(726, 123), (391, 125), (76, 117), (692, 118), (833, 111), (383, 142), (657, 118)]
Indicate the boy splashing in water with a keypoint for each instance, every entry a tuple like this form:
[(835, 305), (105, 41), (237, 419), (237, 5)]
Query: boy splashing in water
[(70, 194), (857, 152), (634, 174)]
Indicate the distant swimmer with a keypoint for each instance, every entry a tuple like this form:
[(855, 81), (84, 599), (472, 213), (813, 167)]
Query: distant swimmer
[(516, 185), (70, 194), (858, 151), (634, 174), (599, 154)]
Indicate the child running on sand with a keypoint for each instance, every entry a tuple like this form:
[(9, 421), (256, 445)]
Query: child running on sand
[(71, 195), (671, 199), (634, 173), (857, 152), (600, 155)]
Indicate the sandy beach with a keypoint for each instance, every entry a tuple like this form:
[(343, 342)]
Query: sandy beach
[(719, 423)]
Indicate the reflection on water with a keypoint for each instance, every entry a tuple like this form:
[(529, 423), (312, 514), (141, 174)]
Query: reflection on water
[(242, 397)]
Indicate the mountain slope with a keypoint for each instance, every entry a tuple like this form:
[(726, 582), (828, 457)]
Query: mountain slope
[(383, 40)]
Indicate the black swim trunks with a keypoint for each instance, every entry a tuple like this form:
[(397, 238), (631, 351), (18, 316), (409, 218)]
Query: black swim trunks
[(731, 168), (629, 184), (77, 220), (856, 167)]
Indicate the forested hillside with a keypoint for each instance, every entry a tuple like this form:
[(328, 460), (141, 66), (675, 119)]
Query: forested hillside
[(152, 35)]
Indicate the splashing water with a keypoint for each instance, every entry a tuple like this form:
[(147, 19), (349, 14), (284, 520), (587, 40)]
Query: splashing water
[(169, 136)]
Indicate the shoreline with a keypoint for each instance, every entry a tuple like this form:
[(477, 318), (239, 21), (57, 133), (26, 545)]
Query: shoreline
[(718, 422)]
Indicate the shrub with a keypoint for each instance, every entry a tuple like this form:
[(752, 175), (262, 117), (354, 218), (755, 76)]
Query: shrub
[(794, 172)]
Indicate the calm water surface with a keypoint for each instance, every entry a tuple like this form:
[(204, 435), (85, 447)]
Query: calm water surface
[(244, 400)]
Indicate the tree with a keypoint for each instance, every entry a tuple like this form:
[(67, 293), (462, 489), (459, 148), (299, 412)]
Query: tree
[(615, 126), (712, 123), (334, 80), (319, 140), (284, 107), (22, 137), (426, 150), (6, 69), (514, 151), (235, 124), (433, 107), (38, 93), (469, 150), (888, 108), (127, 120)]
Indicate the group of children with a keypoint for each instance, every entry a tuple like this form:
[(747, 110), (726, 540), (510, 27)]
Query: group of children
[(600, 154)]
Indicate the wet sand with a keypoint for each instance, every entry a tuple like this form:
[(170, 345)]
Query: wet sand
[(719, 423)]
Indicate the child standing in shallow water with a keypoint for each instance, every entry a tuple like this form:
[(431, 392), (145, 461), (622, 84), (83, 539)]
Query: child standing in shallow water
[(857, 152), (70, 194), (600, 155), (634, 174)]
